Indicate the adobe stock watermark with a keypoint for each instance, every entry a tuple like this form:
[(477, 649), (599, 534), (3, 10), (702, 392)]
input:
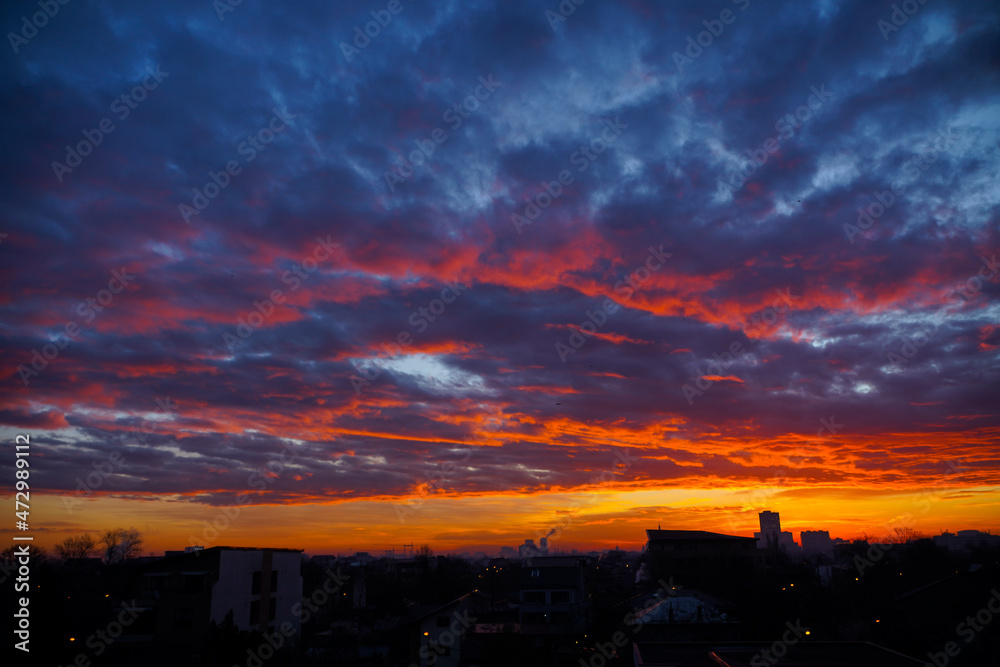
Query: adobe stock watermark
[(30, 28), (785, 126), (248, 324), (884, 200), (415, 502), (581, 158), (721, 362), (599, 316), (898, 17), (912, 342), (922, 502), (704, 380), (304, 610), (769, 315), (705, 38), (99, 641), (442, 643), (223, 7), (828, 427), (633, 620), (966, 290), (792, 636), (426, 488), (455, 116), (95, 480), (249, 148), (968, 629), (758, 499), (566, 8), (623, 461), (362, 38), (88, 310), (122, 106), (420, 320), (972, 285), (229, 514)]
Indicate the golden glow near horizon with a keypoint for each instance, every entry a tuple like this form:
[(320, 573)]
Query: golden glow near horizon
[(584, 521)]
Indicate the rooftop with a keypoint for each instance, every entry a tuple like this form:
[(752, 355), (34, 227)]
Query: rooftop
[(691, 535)]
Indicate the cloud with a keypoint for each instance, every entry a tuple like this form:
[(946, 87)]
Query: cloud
[(916, 283)]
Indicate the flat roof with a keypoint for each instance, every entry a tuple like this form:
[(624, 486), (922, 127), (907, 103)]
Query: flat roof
[(691, 535)]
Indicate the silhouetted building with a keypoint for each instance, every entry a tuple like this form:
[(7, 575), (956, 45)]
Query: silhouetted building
[(528, 549), (186, 550), (772, 537), (700, 558), (182, 595), (816, 542), (553, 596), (967, 540), (443, 633), (770, 530), (770, 522)]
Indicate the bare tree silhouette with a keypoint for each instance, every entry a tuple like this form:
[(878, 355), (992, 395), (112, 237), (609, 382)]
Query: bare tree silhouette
[(76, 548), (120, 544), (904, 534)]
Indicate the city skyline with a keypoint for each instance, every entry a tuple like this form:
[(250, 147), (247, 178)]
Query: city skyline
[(346, 277), (540, 546)]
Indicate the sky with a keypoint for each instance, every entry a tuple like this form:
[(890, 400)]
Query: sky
[(348, 276)]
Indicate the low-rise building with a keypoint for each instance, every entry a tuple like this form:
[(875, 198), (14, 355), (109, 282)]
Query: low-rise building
[(698, 558), (553, 597), (181, 596), (816, 542)]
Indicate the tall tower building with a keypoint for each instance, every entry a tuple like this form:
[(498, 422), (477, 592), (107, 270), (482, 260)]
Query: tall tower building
[(770, 530), (770, 523), (771, 535)]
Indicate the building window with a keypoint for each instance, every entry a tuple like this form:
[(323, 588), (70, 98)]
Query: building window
[(533, 617), (255, 584), (534, 597), (272, 609), (254, 611), (274, 581), (560, 597), (536, 573), (194, 583), (156, 584), (442, 621), (183, 618), (559, 618)]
